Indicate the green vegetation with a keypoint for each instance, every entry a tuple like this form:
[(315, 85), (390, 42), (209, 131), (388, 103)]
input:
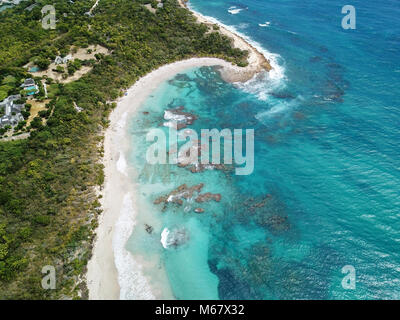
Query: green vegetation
[(42, 63), (74, 66), (59, 69), (7, 86), (48, 204)]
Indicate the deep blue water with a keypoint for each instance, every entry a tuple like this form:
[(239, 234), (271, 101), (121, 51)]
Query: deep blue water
[(327, 158)]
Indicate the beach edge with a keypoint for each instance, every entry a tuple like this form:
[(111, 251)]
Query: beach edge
[(102, 273)]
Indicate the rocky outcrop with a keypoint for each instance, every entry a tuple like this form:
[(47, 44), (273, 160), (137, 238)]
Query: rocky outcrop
[(208, 196), (185, 193), (178, 118), (148, 228)]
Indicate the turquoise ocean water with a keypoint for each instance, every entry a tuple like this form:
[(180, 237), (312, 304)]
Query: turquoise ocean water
[(327, 160)]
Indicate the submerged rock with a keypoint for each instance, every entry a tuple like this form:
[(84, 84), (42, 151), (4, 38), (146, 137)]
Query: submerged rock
[(299, 115), (315, 59), (277, 223), (208, 196), (259, 264), (176, 196), (196, 166), (178, 118), (183, 192), (148, 228), (180, 77), (260, 203), (201, 167), (265, 211), (282, 95)]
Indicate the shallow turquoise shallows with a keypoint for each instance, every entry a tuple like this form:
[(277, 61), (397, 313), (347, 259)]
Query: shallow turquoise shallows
[(325, 192)]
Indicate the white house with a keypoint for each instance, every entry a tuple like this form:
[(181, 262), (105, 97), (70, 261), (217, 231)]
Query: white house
[(12, 111), (30, 87), (59, 60)]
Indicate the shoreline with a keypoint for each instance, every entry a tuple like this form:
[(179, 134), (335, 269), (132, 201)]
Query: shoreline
[(104, 277), (232, 73), (102, 274)]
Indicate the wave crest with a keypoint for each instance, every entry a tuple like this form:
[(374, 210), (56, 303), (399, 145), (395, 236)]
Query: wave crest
[(133, 284)]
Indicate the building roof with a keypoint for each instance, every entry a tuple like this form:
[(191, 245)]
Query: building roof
[(9, 101), (28, 82), (17, 107), (14, 97), (5, 120), (59, 60)]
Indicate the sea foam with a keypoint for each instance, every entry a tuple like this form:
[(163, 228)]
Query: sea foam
[(133, 285), (121, 164), (278, 108), (164, 238), (234, 10), (266, 24), (259, 85), (121, 123)]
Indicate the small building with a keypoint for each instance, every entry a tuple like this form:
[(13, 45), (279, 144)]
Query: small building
[(14, 97), (12, 111), (17, 108), (59, 60), (8, 103), (30, 87), (78, 109), (28, 82), (5, 120)]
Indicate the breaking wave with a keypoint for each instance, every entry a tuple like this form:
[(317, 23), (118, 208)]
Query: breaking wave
[(133, 285), (266, 24), (121, 164), (278, 107), (235, 10), (261, 85)]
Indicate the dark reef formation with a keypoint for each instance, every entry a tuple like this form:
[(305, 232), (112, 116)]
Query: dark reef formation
[(185, 193), (148, 228), (266, 211), (178, 118)]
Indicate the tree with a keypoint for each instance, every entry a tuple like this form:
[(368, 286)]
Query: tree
[(60, 69), (42, 63)]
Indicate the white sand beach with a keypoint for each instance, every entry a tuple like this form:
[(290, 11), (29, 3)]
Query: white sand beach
[(118, 201)]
